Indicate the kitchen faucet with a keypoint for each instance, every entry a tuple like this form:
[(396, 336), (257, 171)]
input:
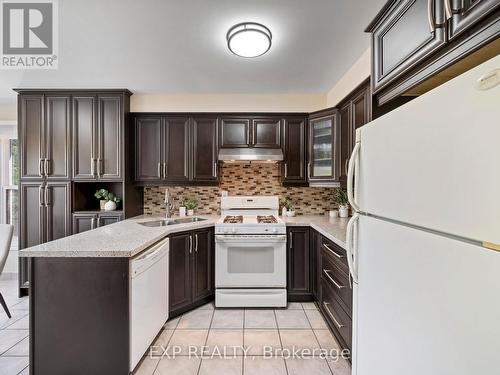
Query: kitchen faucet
[(169, 205)]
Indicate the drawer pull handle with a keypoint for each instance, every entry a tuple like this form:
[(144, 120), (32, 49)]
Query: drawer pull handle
[(340, 256), (327, 273), (326, 304)]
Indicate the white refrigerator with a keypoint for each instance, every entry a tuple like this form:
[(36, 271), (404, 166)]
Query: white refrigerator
[(423, 246)]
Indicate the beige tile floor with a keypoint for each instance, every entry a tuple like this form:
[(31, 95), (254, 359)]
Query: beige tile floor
[(14, 339), (299, 326), (245, 335)]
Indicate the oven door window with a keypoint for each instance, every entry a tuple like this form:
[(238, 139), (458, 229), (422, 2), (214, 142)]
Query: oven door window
[(242, 259)]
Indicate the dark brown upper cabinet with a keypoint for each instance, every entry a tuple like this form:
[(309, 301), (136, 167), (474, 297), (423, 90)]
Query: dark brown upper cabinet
[(409, 32), (176, 149), (251, 131), (420, 44), (299, 286), (204, 150), (466, 13), (45, 136), (98, 137), (148, 148), (294, 165), (266, 132), (324, 147), (234, 132), (354, 112), (191, 277)]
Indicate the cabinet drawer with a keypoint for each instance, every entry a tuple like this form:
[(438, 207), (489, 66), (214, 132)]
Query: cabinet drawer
[(336, 253), (339, 320), (337, 279)]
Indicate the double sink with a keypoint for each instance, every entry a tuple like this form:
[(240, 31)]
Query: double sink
[(165, 222)]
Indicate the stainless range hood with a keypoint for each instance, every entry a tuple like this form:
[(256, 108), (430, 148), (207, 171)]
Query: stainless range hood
[(254, 155)]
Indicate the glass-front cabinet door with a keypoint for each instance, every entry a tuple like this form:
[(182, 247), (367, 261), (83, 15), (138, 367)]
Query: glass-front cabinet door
[(323, 134)]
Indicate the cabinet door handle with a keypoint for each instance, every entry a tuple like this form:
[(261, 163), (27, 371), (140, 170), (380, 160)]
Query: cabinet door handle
[(196, 243), (40, 167), (340, 256), (92, 222), (327, 273), (286, 170), (92, 166), (46, 167), (98, 222), (326, 304), (164, 170), (48, 200), (40, 195), (291, 240), (159, 170), (215, 170), (190, 244), (447, 9), (309, 171), (430, 15), (98, 167)]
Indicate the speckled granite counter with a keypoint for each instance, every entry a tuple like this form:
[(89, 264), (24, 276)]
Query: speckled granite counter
[(127, 238), (332, 228), (123, 239)]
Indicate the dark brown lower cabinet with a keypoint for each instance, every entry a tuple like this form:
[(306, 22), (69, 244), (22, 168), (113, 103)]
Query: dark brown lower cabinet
[(83, 221), (191, 278), (299, 264), (336, 292), (84, 301)]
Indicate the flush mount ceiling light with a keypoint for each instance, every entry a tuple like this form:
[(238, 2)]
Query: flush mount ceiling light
[(249, 39)]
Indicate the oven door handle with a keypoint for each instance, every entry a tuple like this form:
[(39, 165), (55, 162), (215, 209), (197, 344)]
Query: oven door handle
[(250, 239)]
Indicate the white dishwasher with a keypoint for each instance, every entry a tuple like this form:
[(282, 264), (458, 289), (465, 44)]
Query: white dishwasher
[(148, 298)]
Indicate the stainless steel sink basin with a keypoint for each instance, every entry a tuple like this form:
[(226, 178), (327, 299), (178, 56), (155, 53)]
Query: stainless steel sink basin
[(189, 220), (165, 222)]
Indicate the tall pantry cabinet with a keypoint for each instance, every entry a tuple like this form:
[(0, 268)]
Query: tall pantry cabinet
[(57, 129)]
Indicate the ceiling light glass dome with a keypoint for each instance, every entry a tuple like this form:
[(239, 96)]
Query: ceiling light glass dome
[(249, 39)]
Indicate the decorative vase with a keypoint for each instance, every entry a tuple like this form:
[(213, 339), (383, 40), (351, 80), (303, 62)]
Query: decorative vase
[(182, 211), (110, 206), (190, 212), (283, 211), (333, 213), (344, 211), (102, 203), (290, 213)]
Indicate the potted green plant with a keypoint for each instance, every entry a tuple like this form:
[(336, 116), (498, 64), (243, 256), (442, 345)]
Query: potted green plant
[(108, 200), (284, 204), (342, 201), (190, 205)]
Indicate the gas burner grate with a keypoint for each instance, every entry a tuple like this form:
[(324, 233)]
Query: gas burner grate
[(268, 219), (233, 219)]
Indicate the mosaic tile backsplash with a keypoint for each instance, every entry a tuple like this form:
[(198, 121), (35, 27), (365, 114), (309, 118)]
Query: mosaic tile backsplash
[(241, 179)]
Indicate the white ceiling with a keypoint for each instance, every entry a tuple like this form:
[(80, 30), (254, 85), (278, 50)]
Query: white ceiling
[(179, 47)]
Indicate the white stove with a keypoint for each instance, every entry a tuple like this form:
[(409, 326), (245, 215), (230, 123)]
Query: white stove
[(250, 253)]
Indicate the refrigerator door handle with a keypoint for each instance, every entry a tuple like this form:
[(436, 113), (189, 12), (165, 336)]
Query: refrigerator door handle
[(350, 177), (351, 248)]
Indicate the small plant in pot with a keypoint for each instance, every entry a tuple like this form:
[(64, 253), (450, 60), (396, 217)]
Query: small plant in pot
[(108, 200), (340, 198), (285, 204), (190, 205)]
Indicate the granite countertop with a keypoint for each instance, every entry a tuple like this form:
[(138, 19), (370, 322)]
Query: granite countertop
[(123, 239), (127, 238), (332, 228)]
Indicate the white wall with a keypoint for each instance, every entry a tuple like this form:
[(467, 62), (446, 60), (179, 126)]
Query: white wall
[(358, 72), (8, 111), (227, 103)]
